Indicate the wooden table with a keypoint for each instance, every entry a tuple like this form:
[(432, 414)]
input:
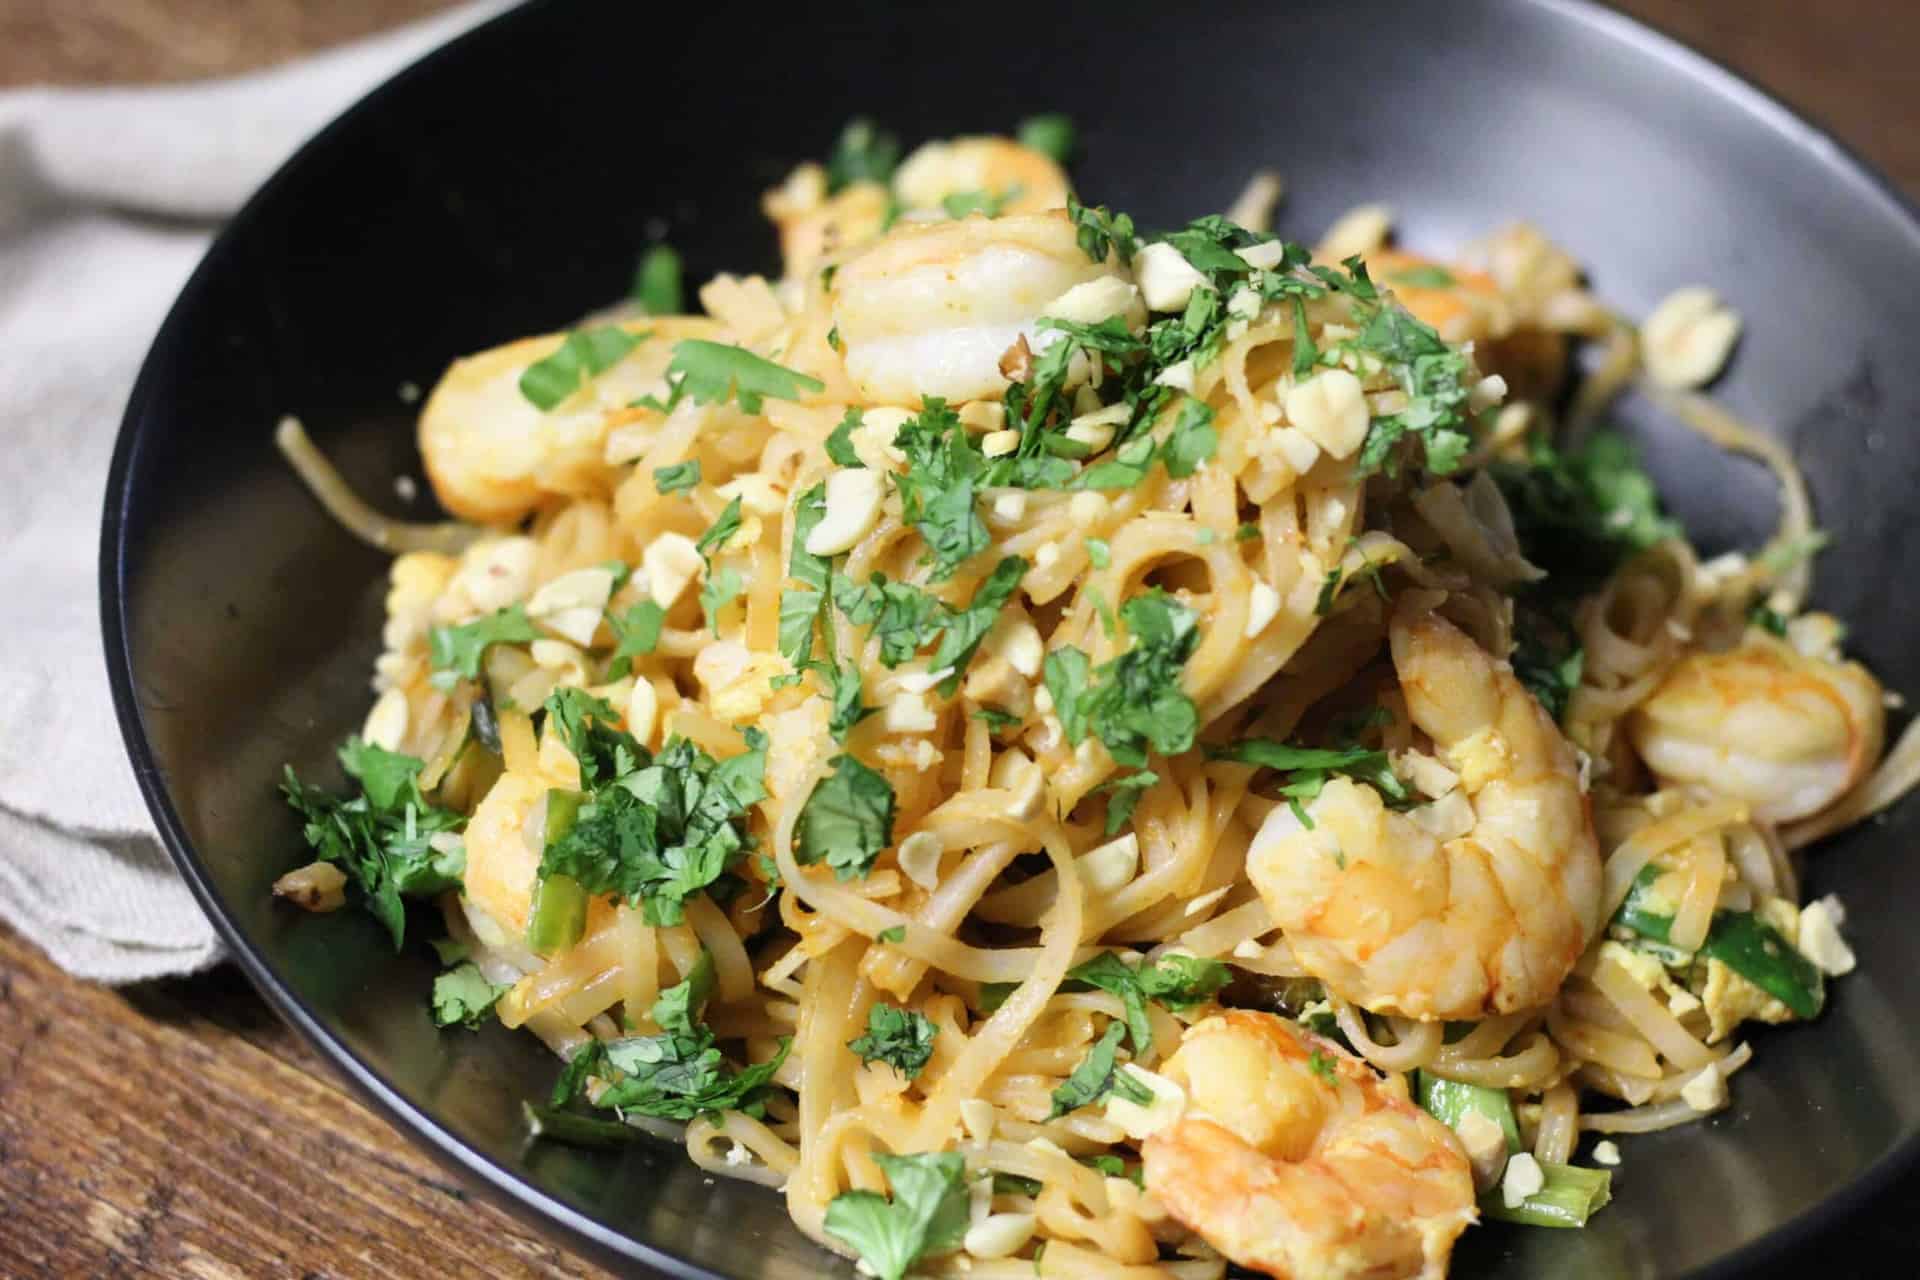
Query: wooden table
[(178, 1129)]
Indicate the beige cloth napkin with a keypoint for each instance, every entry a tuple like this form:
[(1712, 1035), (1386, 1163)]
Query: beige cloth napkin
[(108, 197)]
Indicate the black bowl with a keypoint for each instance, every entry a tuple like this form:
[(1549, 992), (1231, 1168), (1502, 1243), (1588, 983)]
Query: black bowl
[(503, 186)]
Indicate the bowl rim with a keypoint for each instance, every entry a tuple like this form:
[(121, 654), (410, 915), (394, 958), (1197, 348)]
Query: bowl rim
[(504, 1186)]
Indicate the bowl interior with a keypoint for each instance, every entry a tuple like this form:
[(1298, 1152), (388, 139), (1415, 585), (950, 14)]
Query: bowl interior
[(505, 186)]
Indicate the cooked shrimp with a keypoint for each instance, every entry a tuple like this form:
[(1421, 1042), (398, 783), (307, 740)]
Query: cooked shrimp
[(503, 840), (1296, 1159), (930, 309), (1478, 904), (493, 455), (1785, 732), (1017, 179)]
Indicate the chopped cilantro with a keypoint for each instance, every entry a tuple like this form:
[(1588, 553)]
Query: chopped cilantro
[(1052, 135), (381, 837), (653, 830), (636, 633), (1767, 619), (987, 203), (722, 588), (713, 372), (1123, 794), (584, 354), (1247, 532), (1426, 275), (656, 282), (1136, 703), (938, 489), (898, 933), (454, 653), (926, 1215), (1101, 233), (862, 153), (463, 995), (1581, 512), (997, 719), (1099, 554), (1308, 769), (1097, 1076), (840, 440), (898, 1037), (1176, 981), (847, 820), (679, 1074), (677, 478), (1547, 661), (1321, 1065)]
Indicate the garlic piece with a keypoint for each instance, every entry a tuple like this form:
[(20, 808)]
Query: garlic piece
[(1687, 339)]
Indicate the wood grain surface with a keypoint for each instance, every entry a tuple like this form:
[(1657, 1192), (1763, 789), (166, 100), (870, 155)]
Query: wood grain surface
[(178, 1129)]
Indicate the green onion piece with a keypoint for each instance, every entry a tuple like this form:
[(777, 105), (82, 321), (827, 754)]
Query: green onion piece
[(1740, 940), (1450, 1101), (559, 915), (576, 1130), (1570, 1196), (1755, 950)]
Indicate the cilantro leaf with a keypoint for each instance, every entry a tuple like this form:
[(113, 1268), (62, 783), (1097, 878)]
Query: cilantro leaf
[(455, 652), (677, 1009), (654, 831), (1308, 769), (989, 203), (902, 617), (636, 633), (1097, 1076), (1425, 275), (862, 153), (712, 372), (898, 1037), (840, 440), (1137, 703), (1547, 662), (463, 995), (1580, 512), (724, 526), (1192, 440), (674, 1075), (926, 1216), (938, 488), (844, 691), (801, 607), (1176, 981), (1067, 675), (1123, 794), (722, 588), (1101, 233), (847, 820), (1321, 1065), (677, 478), (965, 629), (656, 282), (1052, 135), (582, 355), (381, 837), (997, 719)]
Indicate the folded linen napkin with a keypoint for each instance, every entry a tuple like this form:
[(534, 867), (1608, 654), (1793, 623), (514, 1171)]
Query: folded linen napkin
[(108, 197)]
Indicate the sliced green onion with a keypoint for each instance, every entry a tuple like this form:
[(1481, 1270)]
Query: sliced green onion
[(1571, 1196), (1755, 950), (1450, 1101), (576, 1130), (1740, 940), (559, 915)]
